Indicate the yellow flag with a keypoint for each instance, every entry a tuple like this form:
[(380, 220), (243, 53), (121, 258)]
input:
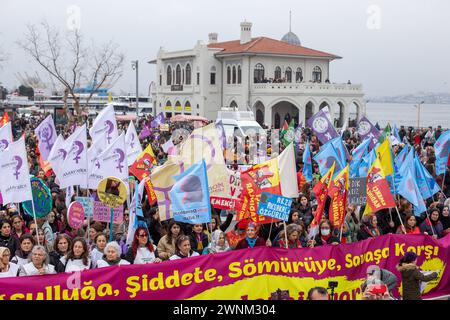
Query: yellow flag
[(384, 154)]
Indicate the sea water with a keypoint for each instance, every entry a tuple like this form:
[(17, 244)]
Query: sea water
[(404, 114)]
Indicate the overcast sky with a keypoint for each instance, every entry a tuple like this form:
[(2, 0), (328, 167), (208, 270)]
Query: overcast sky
[(391, 47)]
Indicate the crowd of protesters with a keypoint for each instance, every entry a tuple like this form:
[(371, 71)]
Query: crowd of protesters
[(63, 249)]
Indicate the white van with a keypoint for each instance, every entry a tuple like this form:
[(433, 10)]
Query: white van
[(239, 123)]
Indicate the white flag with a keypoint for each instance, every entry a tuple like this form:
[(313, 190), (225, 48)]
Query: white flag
[(15, 173), (74, 168), (5, 136), (69, 194), (104, 127), (166, 146), (132, 222), (46, 134), (134, 148), (93, 164), (326, 110), (57, 155), (113, 161), (288, 176)]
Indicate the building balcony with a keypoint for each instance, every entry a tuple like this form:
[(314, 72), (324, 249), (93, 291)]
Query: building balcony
[(308, 88)]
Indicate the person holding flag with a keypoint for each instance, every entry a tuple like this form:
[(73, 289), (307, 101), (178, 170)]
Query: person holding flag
[(338, 194), (321, 191)]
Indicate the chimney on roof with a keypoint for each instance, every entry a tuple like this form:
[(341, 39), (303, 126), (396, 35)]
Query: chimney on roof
[(246, 32), (213, 37)]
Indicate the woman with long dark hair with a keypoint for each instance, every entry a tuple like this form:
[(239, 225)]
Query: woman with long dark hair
[(142, 251), (78, 257), (167, 244), (61, 248), (369, 229), (26, 245), (6, 238), (18, 226)]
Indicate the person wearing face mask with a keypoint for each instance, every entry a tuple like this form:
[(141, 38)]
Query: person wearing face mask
[(325, 235)]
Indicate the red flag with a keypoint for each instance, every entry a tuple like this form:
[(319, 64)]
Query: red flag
[(338, 193), (262, 177), (141, 167), (379, 195), (150, 192), (321, 191), (4, 120)]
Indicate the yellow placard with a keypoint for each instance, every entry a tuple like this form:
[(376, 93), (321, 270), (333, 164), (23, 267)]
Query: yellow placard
[(187, 108), (112, 191), (168, 108)]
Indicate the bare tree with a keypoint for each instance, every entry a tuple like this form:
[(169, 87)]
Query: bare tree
[(71, 62)]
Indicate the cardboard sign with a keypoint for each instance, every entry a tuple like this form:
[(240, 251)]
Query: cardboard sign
[(357, 191), (103, 213), (75, 215), (164, 127), (274, 206), (42, 198), (112, 192), (88, 205)]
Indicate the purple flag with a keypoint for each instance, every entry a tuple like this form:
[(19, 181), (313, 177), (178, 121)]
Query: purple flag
[(158, 120), (367, 129), (46, 134), (145, 132), (322, 127), (222, 136)]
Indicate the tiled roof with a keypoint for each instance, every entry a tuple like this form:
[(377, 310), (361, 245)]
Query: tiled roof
[(268, 46)]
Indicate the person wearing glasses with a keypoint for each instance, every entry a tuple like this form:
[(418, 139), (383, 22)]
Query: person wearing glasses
[(39, 263), (7, 269), (142, 251)]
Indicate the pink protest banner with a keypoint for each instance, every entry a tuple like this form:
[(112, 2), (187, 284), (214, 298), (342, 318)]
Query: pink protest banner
[(103, 213), (75, 215), (245, 274)]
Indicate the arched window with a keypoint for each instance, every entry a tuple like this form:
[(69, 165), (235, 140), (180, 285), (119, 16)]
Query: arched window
[(239, 76), (169, 75), (258, 73), (187, 106), (317, 74), (233, 105), (298, 75), (228, 75), (288, 74), (177, 106), (277, 73), (188, 74), (178, 75), (234, 74), (277, 120), (168, 105)]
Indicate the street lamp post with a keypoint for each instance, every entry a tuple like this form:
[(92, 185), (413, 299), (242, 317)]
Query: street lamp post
[(418, 113), (135, 66)]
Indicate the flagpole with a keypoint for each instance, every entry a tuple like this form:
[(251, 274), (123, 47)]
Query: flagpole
[(35, 220), (400, 218), (431, 224), (340, 234), (285, 234), (111, 224)]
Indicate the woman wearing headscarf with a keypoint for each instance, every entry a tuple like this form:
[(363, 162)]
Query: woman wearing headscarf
[(445, 220), (111, 256), (431, 225), (38, 263), (26, 245), (412, 276), (7, 269), (218, 243), (251, 240)]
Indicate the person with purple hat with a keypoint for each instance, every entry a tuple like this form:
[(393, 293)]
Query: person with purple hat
[(412, 276)]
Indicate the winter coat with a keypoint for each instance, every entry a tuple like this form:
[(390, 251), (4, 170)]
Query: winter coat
[(243, 244), (55, 260), (11, 243), (197, 245), (21, 258), (365, 232), (411, 278), (166, 249), (330, 240), (426, 226)]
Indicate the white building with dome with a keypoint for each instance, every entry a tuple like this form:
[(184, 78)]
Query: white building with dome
[(277, 80)]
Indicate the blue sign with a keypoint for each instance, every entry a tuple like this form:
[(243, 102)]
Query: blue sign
[(271, 205), (88, 205)]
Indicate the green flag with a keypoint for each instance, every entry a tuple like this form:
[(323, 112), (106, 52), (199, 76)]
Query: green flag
[(288, 134), (385, 134)]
